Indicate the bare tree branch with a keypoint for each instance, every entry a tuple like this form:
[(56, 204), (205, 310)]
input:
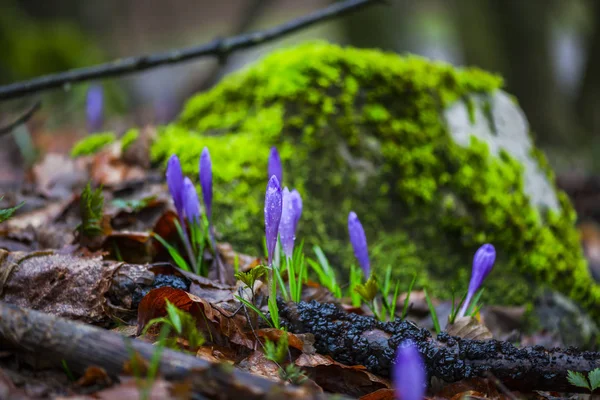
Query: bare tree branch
[(218, 48), (21, 119)]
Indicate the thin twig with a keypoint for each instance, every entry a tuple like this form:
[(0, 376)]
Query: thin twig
[(21, 119), (501, 387), (218, 47)]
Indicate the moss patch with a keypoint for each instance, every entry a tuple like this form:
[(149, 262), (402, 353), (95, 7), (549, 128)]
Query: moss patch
[(362, 130), (92, 144)]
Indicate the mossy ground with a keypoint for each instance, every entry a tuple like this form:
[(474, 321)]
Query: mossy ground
[(362, 130), (92, 144)]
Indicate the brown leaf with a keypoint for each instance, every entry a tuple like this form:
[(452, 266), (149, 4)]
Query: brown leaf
[(109, 169), (472, 387), (132, 247), (130, 390), (219, 325), (207, 289), (258, 364), (94, 376), (469, 328), (335, 377), (60, 284), (303, 343), (58, 175), (381, 394), (245, 261)]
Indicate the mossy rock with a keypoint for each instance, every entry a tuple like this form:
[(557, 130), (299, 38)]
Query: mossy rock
[(419, 149)]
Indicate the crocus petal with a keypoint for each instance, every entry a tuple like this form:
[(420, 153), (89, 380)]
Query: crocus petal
[(408, 374), (175, 184), (358, 240), (206, 181), (296, 201), (191, 205), (94, 108), (286, 225), (274, 167), (273, 207), (483, 262)]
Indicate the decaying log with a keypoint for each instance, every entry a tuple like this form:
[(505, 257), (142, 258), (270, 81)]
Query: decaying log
[(82, 345), (359, 340)]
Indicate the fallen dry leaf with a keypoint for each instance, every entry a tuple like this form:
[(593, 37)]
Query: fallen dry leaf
[(60, 284), (469, 328), (304, 343), (475, 387), (335, 377), (94, 376), (258, 364), (219, 325), (381, 394)]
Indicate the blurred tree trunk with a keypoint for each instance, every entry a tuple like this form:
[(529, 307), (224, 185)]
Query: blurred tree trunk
[(588, 100), (385, 26), (512, 37)]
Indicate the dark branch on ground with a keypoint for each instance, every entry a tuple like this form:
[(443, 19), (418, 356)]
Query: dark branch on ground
[(220, 48), (21, 119), (359, 340), (52, 338)]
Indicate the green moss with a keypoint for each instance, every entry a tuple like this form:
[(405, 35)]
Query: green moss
[(92, 144), (362, 130), (128, 138)]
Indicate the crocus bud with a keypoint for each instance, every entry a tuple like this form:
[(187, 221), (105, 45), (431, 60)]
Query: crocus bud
[(94, 108), (274, 167), (206, 182), (483, 261), (191, 205), (359, 242), (273, 206), (175, 184), (408, 373), (290, 215)]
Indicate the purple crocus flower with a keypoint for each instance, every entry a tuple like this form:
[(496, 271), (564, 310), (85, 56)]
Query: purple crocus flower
[(408, 373), (206, 182), (94, 108), (274, 167), (290, 216), (175, 184), (483, 261), (273, 205), (191, 205), (359, 242)]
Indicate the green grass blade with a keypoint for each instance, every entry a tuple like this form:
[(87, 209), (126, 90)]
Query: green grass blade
[(407, 299), (434, 317), (255, 309), (179, 260)]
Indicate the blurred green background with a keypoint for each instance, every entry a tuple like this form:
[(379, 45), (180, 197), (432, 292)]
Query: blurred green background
[(548, 51)]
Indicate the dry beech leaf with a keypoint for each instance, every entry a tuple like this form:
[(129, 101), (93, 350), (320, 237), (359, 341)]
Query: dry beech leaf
[(335, 377), (475, 387), (61, 284), (381, 394), (207, 289), (94, 376), (258, 364), (218, 325), (129, 390), (304, 343), (469, 328)]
